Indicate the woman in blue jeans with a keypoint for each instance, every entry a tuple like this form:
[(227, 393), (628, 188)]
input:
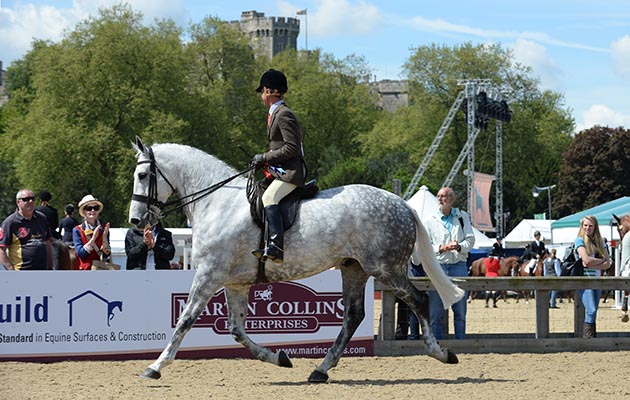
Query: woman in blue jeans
[(590, 248)]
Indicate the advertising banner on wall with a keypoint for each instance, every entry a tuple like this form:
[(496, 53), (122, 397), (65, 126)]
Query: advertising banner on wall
[(55, 315)]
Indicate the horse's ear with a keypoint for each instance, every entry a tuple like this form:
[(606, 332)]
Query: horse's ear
[(617, 219), (138, 145)]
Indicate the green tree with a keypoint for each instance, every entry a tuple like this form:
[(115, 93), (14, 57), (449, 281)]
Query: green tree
[(539, 130), (591, 168), (88, 95)]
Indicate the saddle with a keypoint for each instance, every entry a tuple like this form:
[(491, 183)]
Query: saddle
[(288, 206)]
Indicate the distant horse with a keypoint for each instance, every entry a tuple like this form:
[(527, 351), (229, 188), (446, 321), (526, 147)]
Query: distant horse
[(539, 266), (360, 230), (62, 256), (623, 226), (478, 268)]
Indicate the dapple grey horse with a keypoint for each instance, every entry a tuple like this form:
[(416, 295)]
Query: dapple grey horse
[(359, 229)]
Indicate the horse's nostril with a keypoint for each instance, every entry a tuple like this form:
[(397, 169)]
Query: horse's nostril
[(134, 221)]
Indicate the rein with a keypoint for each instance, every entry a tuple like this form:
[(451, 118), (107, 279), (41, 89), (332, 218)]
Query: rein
[(157, 208)]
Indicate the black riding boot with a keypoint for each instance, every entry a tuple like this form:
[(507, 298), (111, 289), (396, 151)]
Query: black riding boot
[(275, 240)]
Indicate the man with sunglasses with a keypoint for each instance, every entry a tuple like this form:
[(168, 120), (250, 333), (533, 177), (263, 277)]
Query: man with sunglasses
[(24, 236)]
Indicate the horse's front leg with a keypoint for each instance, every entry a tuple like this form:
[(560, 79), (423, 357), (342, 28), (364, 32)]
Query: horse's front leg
[(354, 279), (237, 300), (202, 289)]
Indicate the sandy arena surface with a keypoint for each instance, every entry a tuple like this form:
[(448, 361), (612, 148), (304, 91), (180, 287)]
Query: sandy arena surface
[(585, 375), (481, 376)]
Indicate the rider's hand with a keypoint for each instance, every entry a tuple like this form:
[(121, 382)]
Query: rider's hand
[(258, 161)]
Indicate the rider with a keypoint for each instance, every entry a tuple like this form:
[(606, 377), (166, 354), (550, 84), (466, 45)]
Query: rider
[(283, 164), (497, 247)]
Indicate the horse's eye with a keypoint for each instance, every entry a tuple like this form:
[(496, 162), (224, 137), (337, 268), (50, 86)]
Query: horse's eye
[(142, 175)]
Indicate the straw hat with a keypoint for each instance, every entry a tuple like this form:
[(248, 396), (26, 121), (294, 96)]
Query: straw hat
[(86, 200)]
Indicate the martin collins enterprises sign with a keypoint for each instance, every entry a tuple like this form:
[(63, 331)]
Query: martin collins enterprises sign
[(60, 315)]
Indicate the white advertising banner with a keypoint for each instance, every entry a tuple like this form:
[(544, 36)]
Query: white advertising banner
[(53, 315)]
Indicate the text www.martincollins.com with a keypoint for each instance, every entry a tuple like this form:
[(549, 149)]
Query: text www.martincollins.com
[(313, 351)]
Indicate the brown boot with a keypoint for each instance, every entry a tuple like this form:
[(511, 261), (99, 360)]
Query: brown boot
[(589, 331)]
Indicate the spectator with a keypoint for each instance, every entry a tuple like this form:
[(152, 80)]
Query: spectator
[(24, 236), (67, 224), (595, 259), (149, 249), (283, 164), (91, 238), (552, 269), (50, 212), (497, 247), (452, 238), (493, 265)]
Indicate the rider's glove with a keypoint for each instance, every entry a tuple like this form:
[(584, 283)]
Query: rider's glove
[(258, 161)]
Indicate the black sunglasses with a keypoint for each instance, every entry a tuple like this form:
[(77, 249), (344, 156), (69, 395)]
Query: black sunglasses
[(27, 199), (92, 208)]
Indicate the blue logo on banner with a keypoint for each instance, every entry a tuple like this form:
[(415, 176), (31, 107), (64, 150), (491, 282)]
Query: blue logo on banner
[(111, 305)]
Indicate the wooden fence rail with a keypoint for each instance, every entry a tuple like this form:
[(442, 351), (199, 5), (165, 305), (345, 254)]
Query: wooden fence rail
[(540, 341)]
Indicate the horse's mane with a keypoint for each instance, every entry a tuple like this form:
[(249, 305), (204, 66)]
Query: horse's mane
[(201, 167)]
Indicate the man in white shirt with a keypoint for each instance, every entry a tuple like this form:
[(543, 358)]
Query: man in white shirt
[(452, 238)]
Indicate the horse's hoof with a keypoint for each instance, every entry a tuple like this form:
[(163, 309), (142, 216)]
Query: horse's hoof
[(150, 373), (451, 357), (318, 377), (625, 318), (284, 360)]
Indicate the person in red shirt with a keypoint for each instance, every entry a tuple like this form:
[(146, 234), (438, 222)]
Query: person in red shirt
[(493, 265)]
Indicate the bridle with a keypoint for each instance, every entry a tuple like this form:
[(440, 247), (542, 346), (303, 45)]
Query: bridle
[(156, 209)]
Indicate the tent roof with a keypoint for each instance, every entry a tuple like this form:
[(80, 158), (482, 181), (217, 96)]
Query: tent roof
[(523, 233), (602, 212), (425, 204)]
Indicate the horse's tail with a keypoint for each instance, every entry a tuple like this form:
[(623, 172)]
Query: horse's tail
[(423, 253)]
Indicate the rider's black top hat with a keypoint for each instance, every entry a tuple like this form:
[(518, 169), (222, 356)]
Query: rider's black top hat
[(273, 79)]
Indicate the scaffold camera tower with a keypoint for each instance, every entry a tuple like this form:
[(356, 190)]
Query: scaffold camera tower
[(480, 101)]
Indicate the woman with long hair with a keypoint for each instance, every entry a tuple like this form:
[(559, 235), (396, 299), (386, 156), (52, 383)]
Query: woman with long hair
[(590, 247)]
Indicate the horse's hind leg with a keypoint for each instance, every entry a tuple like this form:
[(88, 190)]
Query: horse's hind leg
[(237, 312), (198, 298), (354, 279)]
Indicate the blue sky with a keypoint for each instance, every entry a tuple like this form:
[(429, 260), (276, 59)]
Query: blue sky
[(579, 48)]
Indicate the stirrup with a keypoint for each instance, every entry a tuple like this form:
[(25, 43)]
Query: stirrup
[(261, 254), (274, 253)]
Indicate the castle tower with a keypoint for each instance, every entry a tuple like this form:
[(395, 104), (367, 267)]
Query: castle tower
[(269, 36)]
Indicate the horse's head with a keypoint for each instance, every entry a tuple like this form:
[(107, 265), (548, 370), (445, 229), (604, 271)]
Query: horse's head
[(623, 224), (151, 188)]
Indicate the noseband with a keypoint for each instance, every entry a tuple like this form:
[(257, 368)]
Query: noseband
[(157, 209)]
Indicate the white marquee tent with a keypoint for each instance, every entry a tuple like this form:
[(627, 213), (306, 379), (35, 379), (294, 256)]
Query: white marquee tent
[(425, 204), (523, 233)]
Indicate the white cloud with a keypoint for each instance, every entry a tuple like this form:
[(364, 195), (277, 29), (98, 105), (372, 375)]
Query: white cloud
[(20, 25), (621, 55), (600, 114), (535, 55), (24, 22), (447, 28), (339, 17)]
